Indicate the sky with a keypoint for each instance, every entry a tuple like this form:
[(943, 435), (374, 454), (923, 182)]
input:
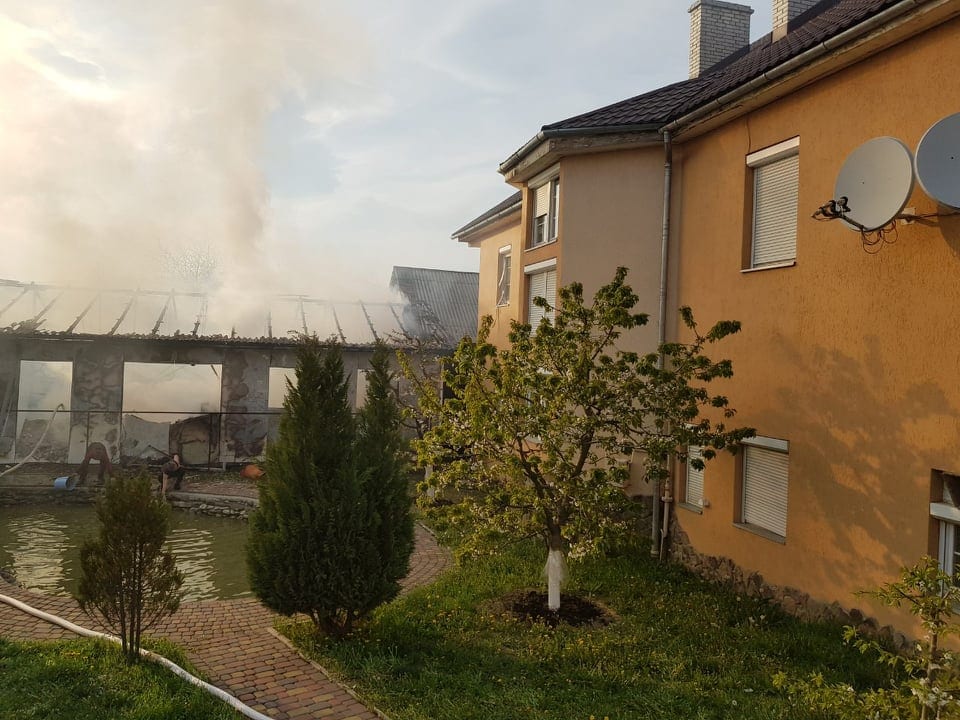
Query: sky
[(294, 146)]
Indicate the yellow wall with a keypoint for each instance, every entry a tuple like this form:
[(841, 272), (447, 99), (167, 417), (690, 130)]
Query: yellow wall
[(612, 214), (854, 358), (506, 232)]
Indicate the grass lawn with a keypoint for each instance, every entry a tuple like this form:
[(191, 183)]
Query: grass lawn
[(681, 648), (88, 680)]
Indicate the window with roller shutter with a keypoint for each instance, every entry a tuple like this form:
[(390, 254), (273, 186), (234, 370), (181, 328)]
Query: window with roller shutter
[(776, 175), (541, 284), (546, 205), (764, 485), (693, 487)]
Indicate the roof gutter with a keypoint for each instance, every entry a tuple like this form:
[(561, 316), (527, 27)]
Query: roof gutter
[(829, 45), (592, 131), (473, 227)]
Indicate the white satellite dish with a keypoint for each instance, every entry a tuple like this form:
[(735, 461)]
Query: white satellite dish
[(877, 181), (938, 161)]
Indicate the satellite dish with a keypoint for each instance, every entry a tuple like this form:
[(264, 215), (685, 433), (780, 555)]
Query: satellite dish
[(938, 161), (877, 180)]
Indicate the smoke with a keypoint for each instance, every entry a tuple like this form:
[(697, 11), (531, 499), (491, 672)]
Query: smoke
[(133, 142)]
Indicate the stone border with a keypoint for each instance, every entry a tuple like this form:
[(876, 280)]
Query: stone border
[(791, 600)]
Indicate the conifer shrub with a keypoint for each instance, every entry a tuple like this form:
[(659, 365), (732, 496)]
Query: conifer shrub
[(127, 577), (332, 536)]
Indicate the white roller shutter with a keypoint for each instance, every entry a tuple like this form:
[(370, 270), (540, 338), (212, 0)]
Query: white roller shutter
[(765, 474), (541, 284), (550, 292), (541, 203), (694, 490), (776, 188)]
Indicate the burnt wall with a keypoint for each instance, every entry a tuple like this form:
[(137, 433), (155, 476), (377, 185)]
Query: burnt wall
[(245, 384), (9, 394), (96, 400)]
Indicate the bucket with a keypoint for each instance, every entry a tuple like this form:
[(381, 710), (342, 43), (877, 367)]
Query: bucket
[(64, 483)]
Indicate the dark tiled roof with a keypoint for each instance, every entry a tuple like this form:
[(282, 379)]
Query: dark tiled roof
[(509, 204), (442, 304), (652, 108), (822, 22)]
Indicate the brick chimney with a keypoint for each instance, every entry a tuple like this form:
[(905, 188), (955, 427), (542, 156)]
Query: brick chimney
[(786, 10), (717, 30)]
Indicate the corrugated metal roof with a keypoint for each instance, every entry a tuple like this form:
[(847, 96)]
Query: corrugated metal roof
[(58, 311), (442, 304)]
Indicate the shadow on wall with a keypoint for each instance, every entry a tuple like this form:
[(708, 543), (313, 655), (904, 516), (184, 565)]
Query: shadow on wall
[(863, 475), (949, 224)]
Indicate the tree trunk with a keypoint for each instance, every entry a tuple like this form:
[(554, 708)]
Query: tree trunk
[(556, 568)]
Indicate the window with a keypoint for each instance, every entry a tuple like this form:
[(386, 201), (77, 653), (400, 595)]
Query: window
[(763, 488), (949, 549), (503, 276), (693, 485), (947, 514), (546, 213), (776, 172), (541, 282)]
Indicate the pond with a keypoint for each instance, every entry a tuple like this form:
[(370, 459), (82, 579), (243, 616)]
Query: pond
[(42, 545)]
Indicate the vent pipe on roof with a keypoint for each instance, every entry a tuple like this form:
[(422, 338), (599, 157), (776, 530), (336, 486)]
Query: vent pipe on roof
[(786, 10), (717, 30)]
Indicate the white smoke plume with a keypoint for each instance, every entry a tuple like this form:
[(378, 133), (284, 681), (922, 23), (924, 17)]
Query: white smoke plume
[(132, 142)]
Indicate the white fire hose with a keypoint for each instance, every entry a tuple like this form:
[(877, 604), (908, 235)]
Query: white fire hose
[(226, 697)]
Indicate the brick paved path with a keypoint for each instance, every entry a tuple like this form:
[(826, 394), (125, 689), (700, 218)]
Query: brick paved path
[(231, 643)]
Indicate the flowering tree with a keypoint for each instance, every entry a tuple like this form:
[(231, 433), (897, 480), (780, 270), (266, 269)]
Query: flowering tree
[(537, 438)]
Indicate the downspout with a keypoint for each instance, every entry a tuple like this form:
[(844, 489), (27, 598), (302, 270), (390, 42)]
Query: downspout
[(656, 535)]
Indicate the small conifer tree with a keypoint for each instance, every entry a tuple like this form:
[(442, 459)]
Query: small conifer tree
[(385, 557), (127, 577), (320, 541)]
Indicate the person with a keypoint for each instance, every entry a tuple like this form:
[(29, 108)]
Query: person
[(95, 451), (172, 470)]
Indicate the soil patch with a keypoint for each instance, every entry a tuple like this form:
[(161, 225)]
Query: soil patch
[(577, 611)]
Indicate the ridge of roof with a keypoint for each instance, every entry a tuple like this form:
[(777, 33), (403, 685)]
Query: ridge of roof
[(665, 104)]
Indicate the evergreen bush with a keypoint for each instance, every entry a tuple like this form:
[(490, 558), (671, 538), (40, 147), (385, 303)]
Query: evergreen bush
[(127, 577), (328, 539)]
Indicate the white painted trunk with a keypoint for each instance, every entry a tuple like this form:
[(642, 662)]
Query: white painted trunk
[(556, 571)]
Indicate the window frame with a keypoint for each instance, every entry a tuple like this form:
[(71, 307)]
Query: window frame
[(504, 272), (755, 162), (539, 268), (545, 228), (948, 518), (693, 505), (768, 445)]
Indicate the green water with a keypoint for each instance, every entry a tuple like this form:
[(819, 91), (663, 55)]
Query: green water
[(42, 545)]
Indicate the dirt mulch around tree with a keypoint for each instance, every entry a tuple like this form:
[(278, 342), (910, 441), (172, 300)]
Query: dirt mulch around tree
[(577, 611)]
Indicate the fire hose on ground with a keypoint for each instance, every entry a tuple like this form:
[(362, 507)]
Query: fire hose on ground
[(226, 697)]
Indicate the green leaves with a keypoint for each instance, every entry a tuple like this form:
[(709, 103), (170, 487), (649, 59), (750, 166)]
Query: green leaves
[(127, 577), (537, 437), (333, 535)]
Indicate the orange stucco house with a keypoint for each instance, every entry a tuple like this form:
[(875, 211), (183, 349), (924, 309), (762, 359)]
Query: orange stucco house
[(848, 364)]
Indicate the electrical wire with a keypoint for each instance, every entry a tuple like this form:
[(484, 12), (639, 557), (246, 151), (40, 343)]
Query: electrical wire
[(872, 241)]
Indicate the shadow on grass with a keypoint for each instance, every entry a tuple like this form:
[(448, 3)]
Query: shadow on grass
[(680, 648)]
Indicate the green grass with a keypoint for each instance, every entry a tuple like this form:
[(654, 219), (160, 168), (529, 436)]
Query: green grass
[(88, 680), (681, 648)]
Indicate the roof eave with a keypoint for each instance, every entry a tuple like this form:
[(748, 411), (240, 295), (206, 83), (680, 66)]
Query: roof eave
[(462, 234), (546, 133)]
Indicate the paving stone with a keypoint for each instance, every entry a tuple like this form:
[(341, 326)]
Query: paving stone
[(231, 643)]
